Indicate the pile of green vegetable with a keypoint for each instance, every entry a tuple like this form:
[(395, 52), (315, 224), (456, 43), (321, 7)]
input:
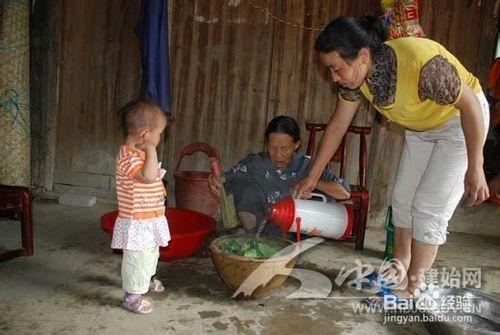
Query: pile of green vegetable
[(256, 248)]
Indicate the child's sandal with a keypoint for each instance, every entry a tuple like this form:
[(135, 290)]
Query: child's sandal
[(138, 305), (156, 286)]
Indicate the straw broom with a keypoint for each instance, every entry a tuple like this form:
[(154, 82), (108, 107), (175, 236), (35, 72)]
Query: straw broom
[(227, 210)]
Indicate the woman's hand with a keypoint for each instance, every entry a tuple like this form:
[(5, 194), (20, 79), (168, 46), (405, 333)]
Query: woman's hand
[(334, 189), (471, 115), (214, 185), (476, 188), (304, 187), (335, 130)]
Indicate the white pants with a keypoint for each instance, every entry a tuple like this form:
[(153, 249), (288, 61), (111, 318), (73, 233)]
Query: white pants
[(137, 269), (430, 180)]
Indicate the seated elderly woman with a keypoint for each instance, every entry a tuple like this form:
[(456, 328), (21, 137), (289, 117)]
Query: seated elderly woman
[(269, 176)]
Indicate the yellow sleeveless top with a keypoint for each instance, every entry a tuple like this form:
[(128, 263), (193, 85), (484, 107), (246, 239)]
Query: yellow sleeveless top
[(408, 110)]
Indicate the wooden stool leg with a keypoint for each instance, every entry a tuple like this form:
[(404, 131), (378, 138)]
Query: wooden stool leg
[(27, 225), (363, 216)]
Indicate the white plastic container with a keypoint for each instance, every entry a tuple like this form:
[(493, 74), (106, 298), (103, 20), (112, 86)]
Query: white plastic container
[(312, 217)]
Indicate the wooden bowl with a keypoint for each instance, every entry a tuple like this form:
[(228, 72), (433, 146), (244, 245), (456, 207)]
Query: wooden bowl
[(264, 275)]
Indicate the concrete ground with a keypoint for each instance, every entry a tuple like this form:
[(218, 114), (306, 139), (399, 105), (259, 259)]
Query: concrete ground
[(72, 286)]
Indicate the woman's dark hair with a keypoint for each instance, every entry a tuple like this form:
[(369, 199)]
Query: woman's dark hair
[(283, 125), (347, 35)]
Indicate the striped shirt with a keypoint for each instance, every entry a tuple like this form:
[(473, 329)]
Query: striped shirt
[(137, 200)]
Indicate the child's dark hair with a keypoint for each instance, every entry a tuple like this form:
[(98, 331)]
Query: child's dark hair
[(284, 125), (139, 113), (347, 35)]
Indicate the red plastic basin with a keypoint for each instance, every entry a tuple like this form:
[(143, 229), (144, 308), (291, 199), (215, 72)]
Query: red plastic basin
[(494, 200), (188, 230)]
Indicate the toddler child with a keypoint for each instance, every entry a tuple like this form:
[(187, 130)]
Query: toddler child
[(141, 226)]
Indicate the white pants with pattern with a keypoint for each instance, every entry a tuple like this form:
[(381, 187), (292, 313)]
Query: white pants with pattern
[(430, 181)]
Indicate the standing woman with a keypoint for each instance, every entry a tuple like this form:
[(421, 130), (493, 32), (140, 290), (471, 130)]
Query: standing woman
[(418, 84)]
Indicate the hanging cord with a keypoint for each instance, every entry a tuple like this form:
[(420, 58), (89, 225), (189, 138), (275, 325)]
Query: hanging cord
[(267, 12)]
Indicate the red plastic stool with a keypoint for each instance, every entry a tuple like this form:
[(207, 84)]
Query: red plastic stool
[(17, 200)]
